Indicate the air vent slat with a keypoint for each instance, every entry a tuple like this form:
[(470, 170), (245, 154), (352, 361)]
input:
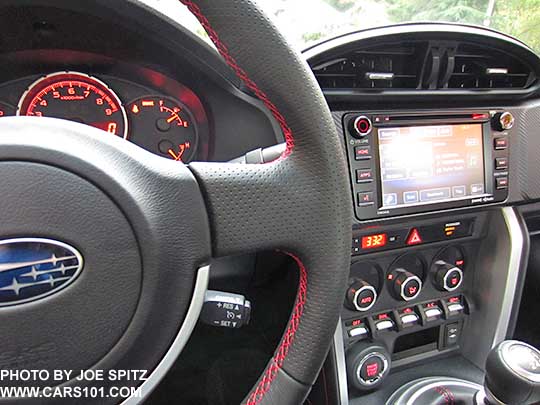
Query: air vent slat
[(421, 65), (395, 66), (480, 67)]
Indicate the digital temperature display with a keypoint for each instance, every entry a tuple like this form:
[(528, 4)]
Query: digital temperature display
[(373, 241)]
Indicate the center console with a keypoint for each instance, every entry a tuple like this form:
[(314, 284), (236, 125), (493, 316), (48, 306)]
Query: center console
[(424, 183), (409, 289)]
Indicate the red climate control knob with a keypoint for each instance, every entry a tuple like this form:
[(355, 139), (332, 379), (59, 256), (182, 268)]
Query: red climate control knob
[(407, 286), (361, 296), (447, 277)]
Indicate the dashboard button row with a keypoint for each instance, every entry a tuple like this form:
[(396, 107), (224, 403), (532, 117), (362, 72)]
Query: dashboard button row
[(423, 314), (501, 165)]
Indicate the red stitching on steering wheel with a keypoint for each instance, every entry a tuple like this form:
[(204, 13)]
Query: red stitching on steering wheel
[(276, 362), (241, 73)]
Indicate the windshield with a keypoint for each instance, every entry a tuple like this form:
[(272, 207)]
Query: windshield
[(305, 22)]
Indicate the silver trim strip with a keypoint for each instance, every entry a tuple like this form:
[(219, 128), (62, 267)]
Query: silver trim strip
[(496, 71), (514, 263), (379, 76), (340, 365), (201, 285)]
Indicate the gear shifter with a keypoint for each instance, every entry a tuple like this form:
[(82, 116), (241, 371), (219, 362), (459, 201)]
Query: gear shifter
[(512, 378), (512, 375)]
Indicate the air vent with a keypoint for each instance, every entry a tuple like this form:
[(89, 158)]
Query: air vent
[(480, 67), (386, 66)]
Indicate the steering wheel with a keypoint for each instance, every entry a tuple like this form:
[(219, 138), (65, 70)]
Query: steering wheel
[(146, 227)]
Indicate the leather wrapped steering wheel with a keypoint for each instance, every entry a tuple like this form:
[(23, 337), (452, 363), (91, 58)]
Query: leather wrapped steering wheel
[(299, 204), (124, 210)]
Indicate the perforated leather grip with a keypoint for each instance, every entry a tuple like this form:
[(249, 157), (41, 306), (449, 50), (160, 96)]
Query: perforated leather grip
[(300, 203)]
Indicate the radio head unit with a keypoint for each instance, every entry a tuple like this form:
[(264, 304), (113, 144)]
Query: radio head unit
[(418, 162)]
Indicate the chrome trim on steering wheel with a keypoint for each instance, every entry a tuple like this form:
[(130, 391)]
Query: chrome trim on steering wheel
[(144, 390)]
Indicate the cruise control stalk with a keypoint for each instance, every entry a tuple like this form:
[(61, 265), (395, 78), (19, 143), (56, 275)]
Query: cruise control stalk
[(261, 155)]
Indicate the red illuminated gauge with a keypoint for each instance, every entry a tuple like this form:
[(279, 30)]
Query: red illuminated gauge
[(163, 126), (6, 110), (76, 97)]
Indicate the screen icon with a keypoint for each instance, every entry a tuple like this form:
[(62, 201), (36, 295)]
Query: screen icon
[(459, 191), (410, 197), (477, 189), (390, 199), (473, 160), (435, 194)]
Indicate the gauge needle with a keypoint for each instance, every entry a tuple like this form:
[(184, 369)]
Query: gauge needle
[(177, 156), (172, 118)]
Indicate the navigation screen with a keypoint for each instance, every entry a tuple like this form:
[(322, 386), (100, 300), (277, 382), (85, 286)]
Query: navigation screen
[(430, 164)]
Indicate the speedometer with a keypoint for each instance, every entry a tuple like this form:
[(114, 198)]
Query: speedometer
[(76, 97)]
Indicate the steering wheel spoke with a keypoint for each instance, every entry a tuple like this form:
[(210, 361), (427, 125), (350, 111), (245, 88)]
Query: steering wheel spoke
[(253, 207), (300, 203)]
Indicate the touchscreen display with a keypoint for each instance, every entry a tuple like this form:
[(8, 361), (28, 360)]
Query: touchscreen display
[(431, 164)]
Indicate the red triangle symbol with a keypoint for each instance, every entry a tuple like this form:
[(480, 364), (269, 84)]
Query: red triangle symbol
[(414, 237)]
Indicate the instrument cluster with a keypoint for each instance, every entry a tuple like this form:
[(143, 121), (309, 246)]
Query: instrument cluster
[(173, 125)]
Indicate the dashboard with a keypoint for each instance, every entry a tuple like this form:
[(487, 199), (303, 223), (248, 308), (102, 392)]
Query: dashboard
[(439, 124)]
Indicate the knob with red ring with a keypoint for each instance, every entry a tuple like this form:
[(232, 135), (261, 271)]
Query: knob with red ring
[(447, 277), (447, 269), (361, 296), (361, 126), (407, 286)]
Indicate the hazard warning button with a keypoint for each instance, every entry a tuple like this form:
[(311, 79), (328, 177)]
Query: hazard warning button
[(414, 237)]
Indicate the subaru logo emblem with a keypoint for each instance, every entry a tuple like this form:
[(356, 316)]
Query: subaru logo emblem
[(33, 268)]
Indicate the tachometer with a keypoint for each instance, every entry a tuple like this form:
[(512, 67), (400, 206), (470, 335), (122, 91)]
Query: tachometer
[(163, 126), (76, 97)]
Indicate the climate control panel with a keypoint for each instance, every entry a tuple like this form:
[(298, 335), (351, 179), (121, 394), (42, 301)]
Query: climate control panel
[(405, 278), (408, 302)]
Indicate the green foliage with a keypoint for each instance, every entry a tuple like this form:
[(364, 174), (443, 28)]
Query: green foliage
[(341, 5), (312, 36), (520, 18), (464, 11)]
